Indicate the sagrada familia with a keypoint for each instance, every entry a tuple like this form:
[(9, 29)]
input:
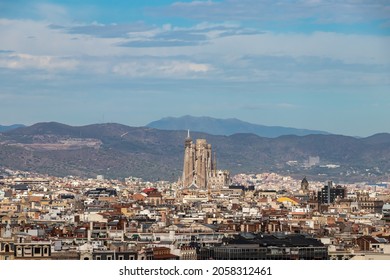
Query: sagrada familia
[(200, 167)]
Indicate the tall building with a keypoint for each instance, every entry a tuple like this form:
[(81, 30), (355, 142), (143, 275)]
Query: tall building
[(328, 194), (198, 164)]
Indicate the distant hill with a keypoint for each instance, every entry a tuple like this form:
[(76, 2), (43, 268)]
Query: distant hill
[(4, 128), (227, 127), (118, 151)]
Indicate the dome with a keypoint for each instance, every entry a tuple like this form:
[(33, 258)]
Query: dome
[(304, 184)]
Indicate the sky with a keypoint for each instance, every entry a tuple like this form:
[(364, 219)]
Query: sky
[(314, 64)]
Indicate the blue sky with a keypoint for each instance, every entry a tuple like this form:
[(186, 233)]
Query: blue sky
[(317, 64)]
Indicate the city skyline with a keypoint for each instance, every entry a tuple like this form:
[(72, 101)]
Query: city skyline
[(305, 64)]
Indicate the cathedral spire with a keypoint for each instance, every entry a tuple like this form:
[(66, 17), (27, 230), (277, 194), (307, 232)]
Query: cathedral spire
[(215, 163)]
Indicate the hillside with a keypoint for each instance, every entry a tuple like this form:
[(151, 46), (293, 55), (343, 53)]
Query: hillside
[(4, 128), (118, 151)]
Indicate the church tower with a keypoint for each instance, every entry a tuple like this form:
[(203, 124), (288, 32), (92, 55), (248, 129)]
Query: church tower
[(189, 158), (304, 185), (197, 167), (202, 163)]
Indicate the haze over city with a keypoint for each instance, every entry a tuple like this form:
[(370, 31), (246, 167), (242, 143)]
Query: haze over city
[(320, 65)]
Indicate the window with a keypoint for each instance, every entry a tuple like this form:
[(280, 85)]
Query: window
[(27, 251), (37, 251), (19, 251)]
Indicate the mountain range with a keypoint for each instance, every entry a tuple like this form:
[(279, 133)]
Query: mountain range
[(118, 151), (227, 127), (4, 128)]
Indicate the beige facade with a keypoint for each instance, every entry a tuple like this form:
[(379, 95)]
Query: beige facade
[(200, 168), (219, 179), (198, 163)]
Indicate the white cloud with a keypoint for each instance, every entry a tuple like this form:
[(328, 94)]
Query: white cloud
[(173, 69), (315, 57), (26, 61)]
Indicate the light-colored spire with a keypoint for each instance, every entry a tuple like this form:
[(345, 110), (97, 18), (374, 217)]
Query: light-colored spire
[(188, 133), (215, 163)]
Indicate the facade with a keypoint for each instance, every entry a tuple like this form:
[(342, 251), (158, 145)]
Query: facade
[(197, 163), (328, 193), (7, 247), (114, 255), (22, 247), (33, 251), (219, 179), (101, 192), (199, 166), (369, 204), (188, 253), (163, 253)]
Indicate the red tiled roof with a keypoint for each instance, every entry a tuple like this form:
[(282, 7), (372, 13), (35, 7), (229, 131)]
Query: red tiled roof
[(148, 190)]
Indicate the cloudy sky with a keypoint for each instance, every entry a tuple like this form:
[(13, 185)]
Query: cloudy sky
[(316, 64)]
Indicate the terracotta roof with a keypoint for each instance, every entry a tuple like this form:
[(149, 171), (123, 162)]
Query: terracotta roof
[(148, 190), (138, 196), (34, 198)]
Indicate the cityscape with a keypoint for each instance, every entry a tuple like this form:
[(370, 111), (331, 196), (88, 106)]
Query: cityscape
[(226, 130), (206, 214)]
